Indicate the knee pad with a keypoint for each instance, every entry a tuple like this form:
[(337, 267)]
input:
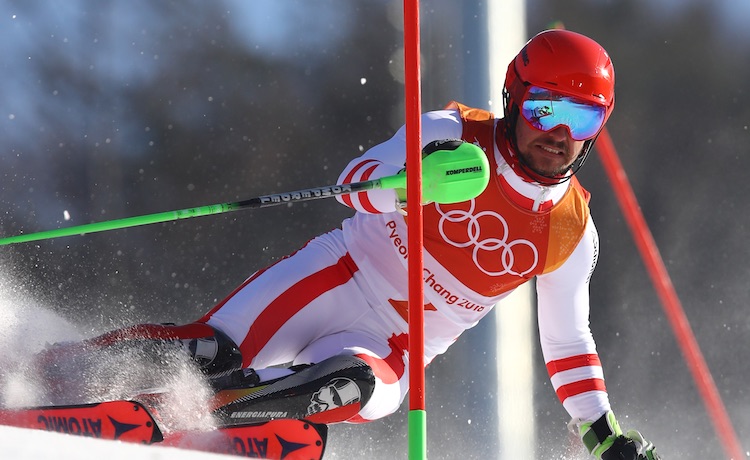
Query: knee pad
[(350, 379), (216, 354)]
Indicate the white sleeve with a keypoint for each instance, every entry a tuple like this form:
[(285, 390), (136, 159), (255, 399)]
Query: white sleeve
[(567, 343), (389, 157)]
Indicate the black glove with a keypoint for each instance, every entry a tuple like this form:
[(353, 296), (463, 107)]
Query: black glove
[(605, 441)]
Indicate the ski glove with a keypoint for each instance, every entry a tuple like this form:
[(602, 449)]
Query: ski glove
[(605, 441)]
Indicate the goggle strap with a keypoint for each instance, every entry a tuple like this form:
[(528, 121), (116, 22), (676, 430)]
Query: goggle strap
[(518, 88)]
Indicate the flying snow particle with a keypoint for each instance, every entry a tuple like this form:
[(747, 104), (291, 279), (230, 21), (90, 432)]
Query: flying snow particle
[(362, 81), (66, 215)]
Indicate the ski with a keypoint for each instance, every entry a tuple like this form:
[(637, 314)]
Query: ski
[(116, 420), (131, 421), (282, 439)]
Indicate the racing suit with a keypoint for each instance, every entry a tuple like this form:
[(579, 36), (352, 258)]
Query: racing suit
[(345, 291)]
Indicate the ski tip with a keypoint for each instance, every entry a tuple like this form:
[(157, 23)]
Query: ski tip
[(123, 420)]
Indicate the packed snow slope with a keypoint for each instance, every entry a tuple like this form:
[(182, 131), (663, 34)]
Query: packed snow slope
[(24, 444)]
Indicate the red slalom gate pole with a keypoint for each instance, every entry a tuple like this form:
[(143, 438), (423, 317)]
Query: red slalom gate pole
[(413, 105), (666, 292)]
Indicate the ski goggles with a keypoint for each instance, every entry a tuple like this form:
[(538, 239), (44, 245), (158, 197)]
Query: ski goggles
[(546, 110)]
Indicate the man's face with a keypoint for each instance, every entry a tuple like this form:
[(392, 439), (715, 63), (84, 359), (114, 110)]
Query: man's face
[(547, 153)]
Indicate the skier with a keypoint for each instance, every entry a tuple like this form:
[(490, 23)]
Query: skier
[(335, 310)]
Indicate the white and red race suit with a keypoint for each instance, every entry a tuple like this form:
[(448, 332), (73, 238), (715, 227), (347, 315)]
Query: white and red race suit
[(345, 291)]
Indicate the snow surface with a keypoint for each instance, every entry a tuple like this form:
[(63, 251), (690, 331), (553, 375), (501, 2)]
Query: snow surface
[(23, 444)]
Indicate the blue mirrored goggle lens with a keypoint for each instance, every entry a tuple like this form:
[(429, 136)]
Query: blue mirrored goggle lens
[(546, 111)]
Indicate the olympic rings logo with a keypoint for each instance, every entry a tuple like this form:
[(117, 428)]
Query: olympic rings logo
[(489, 244)]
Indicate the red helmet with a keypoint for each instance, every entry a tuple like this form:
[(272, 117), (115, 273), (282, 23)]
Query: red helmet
[(563, 62)]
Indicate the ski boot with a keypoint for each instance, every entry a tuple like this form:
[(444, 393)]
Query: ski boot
[(133, 360)]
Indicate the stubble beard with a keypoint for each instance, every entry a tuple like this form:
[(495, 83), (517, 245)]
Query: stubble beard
[(530, 163)]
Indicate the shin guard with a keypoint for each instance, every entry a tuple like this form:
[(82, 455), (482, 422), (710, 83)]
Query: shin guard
[(331, 391)]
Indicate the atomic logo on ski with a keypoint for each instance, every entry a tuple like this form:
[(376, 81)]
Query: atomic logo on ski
[(259, 447), (121, 420), (287, 447), (121, 428)]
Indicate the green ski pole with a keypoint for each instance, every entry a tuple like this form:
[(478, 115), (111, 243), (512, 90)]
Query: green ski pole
[(258, 202), (449, 177)]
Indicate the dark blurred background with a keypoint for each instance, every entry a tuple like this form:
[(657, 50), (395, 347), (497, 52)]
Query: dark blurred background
[(113, 109)]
